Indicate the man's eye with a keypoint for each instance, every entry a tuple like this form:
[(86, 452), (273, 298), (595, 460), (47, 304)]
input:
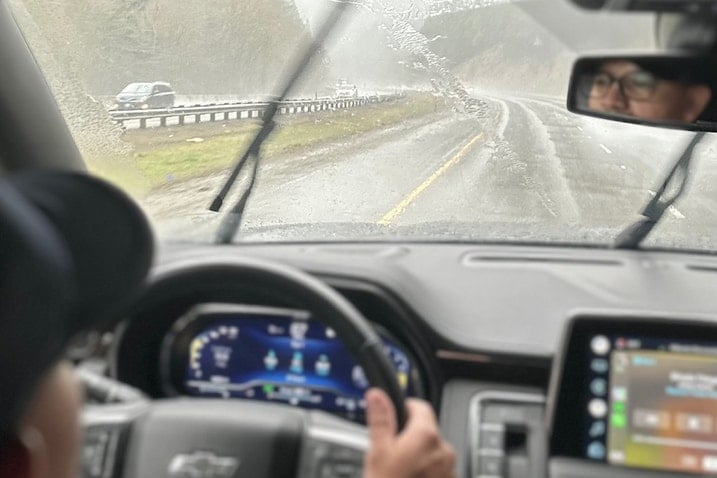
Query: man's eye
[(602, 80), (641, 80)]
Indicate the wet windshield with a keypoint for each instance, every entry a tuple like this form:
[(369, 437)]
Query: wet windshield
[(137, 88), (425, 120)]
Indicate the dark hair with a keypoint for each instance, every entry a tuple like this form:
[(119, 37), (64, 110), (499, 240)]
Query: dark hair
[(689, 71)]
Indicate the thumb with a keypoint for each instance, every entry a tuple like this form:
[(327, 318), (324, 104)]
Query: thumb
[(381, 418)]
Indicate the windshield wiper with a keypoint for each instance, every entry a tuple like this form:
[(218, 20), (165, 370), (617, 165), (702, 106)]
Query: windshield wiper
[(231, 222), (635, 233)]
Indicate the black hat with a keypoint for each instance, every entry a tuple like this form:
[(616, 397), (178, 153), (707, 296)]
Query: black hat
[(73, 251)]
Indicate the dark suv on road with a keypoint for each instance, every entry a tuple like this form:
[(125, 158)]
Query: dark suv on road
[(146, 96)]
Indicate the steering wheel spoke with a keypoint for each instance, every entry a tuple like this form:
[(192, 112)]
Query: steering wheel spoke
[(332, 447), (106, 433)]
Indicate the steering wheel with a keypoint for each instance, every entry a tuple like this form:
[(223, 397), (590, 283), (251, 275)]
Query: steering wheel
[(200, 438)]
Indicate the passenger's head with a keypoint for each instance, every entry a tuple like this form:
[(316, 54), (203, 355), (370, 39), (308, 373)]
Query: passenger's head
[(63, 269), (626, 88)]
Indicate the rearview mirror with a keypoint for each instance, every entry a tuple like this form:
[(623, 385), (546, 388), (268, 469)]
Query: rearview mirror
[(668, 91), (697, 7)]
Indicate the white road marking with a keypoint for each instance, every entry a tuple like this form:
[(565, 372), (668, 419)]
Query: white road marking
[(546, 146), (391, 215), (605, 148), (677, 214), (504, 119)]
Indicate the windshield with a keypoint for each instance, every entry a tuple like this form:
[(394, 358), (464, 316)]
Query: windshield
[(137, 88), (420, 120)]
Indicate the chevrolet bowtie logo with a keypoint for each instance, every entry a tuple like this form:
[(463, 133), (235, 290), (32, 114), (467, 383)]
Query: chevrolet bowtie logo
[(202, 464)]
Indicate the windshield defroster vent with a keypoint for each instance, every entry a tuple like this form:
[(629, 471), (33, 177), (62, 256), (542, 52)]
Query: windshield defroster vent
[(476, 259)]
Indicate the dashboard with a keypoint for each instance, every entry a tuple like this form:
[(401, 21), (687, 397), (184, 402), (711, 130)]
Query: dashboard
[(270, 354), (521, 350)]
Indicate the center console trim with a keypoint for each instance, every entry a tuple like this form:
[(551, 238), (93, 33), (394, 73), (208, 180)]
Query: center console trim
[(475, 425)]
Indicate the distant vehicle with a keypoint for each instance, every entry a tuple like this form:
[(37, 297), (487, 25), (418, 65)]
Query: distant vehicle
[(344, 89), (146, 96)]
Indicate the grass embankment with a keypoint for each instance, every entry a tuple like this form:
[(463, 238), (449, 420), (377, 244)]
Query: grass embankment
[(166, 155)]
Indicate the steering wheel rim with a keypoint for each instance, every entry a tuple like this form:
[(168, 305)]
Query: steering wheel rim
[(258, 278)]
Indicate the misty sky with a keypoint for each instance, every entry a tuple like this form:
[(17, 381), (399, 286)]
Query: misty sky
[(366, 55), (312, 10), (346, 49)]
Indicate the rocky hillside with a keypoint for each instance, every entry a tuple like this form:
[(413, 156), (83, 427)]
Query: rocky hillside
[(206, 47), (528, 46), (88, 49)]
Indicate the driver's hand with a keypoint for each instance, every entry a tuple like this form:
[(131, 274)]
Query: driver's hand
[(418, 451)]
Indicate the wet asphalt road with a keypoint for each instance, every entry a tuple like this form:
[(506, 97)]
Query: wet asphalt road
[(529, 163)]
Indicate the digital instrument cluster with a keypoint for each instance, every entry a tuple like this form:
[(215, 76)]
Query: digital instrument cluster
[(273, 355), (641, 395)]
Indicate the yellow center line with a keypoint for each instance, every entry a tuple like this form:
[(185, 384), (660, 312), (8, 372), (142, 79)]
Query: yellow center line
[(391, 216)]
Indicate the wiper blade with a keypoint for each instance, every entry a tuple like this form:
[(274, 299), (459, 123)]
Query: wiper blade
[(635, 233), (231, 222)]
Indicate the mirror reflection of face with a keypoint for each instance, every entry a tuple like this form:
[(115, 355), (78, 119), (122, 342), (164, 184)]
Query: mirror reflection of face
[(622, 87)]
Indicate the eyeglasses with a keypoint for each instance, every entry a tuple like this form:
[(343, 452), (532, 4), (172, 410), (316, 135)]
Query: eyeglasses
[(637, 86)]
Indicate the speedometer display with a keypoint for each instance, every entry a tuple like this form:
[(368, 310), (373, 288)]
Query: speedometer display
[(273, 355)]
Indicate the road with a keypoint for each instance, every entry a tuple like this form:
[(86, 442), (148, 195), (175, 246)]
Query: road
[(530, 171)]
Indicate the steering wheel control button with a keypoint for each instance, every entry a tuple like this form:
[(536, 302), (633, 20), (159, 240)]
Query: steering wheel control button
[(341, 469), (337, 461), (98, 452), (340, 453)]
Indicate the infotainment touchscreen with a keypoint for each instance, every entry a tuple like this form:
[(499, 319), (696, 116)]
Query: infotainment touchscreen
[(660, 401), (645, 401)]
